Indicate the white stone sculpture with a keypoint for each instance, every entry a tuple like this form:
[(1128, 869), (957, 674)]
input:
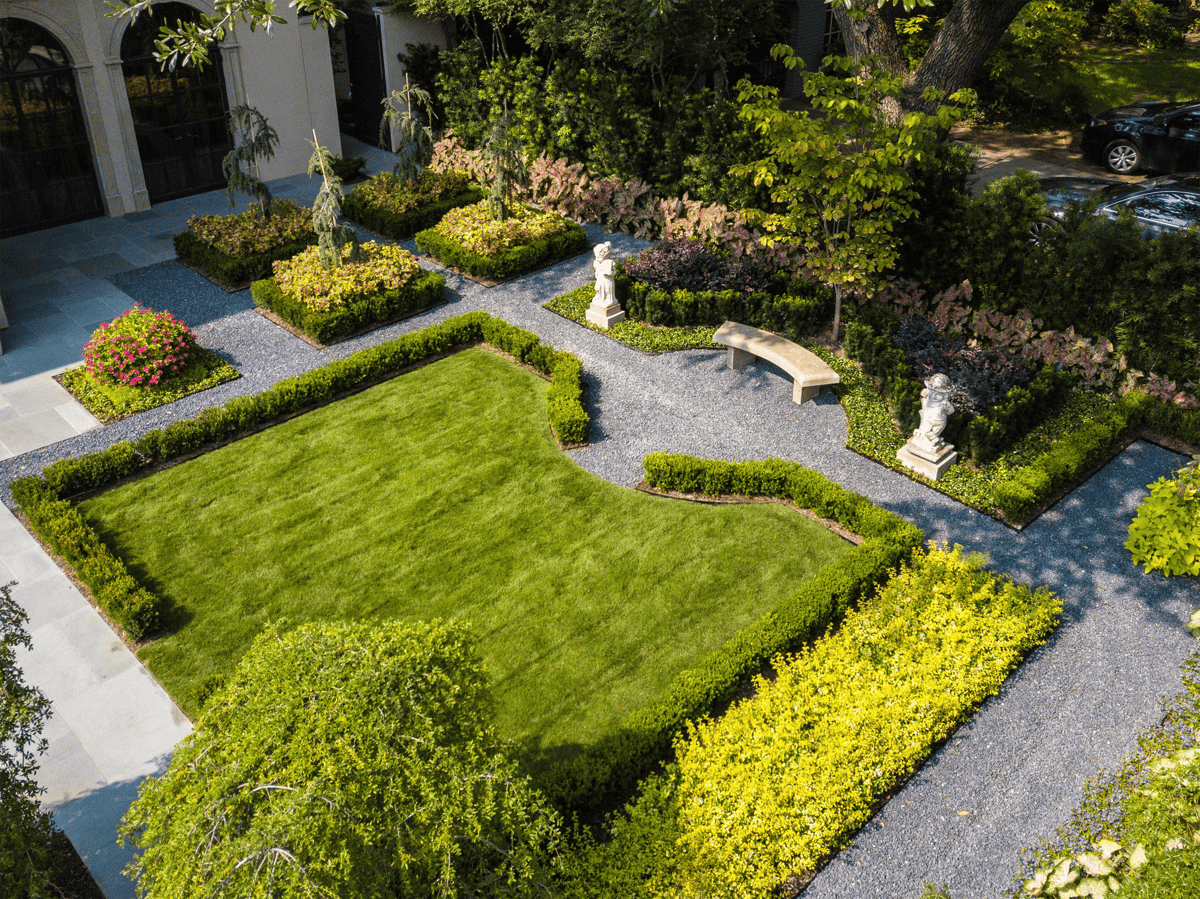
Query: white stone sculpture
[(604, 310), (926, 452)]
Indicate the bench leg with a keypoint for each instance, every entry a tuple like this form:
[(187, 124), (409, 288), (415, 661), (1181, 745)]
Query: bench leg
[(802, 394), (738, 358)]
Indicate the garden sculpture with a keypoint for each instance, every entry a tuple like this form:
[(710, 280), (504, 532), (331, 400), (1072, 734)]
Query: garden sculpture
[(605, 311), (926, 452)]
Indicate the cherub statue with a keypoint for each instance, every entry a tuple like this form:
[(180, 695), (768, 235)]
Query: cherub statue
[(605, 268), (935, 409)]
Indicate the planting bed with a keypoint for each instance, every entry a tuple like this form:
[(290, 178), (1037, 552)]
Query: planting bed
[(396, 209), (443, 494)]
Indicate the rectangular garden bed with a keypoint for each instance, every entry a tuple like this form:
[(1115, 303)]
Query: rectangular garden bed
[(234, 250), (392, 208), (469, 242), (305, 305)]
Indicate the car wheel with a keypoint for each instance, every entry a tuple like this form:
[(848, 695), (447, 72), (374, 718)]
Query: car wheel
[(1122, 157), (1041, 230)]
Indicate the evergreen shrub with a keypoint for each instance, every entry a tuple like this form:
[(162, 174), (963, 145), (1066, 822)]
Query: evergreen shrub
[(397, 209), (139, 348), (614, 764), (1165, 534), (236, 249)]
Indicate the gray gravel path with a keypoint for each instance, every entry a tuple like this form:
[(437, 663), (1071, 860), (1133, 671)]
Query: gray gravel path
[(1018, 766)]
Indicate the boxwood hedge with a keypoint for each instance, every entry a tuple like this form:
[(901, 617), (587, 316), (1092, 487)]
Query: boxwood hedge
[(509, 264), (230, 271)]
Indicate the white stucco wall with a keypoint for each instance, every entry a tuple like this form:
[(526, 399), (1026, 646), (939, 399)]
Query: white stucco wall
[(398, 30)]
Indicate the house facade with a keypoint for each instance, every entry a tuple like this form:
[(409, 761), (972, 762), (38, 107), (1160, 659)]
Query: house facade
[(91, 125)]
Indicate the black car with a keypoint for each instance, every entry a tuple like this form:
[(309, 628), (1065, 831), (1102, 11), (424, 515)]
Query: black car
[(1168, 203), (1160, 136)]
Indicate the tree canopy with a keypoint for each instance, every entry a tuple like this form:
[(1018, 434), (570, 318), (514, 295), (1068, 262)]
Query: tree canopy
[(347, 761)]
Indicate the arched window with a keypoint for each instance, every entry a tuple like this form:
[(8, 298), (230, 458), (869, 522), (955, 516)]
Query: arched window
[(180, 116), (46, 172)]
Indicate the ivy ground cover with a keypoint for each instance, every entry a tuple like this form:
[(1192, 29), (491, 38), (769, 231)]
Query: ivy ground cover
[(441, 494)]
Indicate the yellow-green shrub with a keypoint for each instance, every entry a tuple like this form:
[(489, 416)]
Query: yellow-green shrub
[(1165, 534), (473, 228), (379, 268), (785, 779)]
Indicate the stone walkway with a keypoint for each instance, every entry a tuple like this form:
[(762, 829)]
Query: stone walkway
[(1018, 766)]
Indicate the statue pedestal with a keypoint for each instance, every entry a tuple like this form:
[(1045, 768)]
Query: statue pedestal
[(926, 460), (605, 316)]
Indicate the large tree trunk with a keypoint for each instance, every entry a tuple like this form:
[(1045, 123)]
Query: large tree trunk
[(952, 61)]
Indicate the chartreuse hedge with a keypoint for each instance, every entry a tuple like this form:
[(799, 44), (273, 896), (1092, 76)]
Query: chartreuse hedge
[(783, 780), (43, 498), (507, 264), (614, 763)]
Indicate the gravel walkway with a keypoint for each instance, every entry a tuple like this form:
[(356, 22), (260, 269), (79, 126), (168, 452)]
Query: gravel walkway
[(1018, 766)]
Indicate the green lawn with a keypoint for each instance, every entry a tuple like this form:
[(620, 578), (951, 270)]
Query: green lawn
[(1120, 77), (441, 493)]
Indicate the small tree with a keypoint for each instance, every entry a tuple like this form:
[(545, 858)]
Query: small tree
[(254, 142), (348, 761), (503, 149), (414, 139), (840, 176), (26, 832), (332, 236)]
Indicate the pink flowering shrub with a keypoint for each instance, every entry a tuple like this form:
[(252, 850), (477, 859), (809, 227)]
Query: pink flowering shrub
[(379, 268), (139, 348)]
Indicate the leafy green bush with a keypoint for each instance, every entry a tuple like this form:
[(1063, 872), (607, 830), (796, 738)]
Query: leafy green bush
[(469, 240), (235, 249), (1142, 22), (347, 168), (1165, 534), (139, 348), (331, 305), (398, 209), (783, 780), (614, 764), (349, 760)]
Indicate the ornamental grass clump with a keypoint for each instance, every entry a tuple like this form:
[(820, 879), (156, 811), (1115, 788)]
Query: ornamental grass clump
[(379, 268), (250, 232), (139, 348), (474, 228), (690, 265)]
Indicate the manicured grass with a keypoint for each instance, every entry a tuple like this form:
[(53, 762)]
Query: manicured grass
[(1120, 77), (442, 494)]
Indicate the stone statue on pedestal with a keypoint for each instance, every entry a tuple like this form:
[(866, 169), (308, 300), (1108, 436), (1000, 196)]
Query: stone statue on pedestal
[(605, 311), (926, 452)]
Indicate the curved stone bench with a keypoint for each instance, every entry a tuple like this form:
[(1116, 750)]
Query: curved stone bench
[(808, 372)]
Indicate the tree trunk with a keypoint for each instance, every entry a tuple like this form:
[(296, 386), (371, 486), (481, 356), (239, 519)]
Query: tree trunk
[(970, 32)]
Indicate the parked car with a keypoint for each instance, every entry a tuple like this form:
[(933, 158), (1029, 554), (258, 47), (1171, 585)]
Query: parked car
[(1160, 136), (1167, 203)]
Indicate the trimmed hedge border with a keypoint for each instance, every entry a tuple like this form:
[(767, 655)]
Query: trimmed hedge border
[(44, 498), (232, 271), (403, 225), (589, 781), (425, 290), (782, 310), (517, 261)]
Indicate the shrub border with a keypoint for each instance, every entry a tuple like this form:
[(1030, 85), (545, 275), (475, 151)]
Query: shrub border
[(589, 782), (403, 225), (44, 498), (231, 273), (424, 291), (518, 261)]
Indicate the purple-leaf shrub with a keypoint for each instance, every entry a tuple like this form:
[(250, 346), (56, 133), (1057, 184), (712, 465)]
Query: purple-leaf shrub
[(1093, 359), (139, 348), (690, 265)]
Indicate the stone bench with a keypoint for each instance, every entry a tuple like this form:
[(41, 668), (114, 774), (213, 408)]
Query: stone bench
[(808, 372)]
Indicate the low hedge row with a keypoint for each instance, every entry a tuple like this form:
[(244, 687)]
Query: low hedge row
[(616, 763), (981, 438), (423, 291), (514, 262), (796, 308), (403, 225), (43, 497), (64, 530), (233, 270)]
